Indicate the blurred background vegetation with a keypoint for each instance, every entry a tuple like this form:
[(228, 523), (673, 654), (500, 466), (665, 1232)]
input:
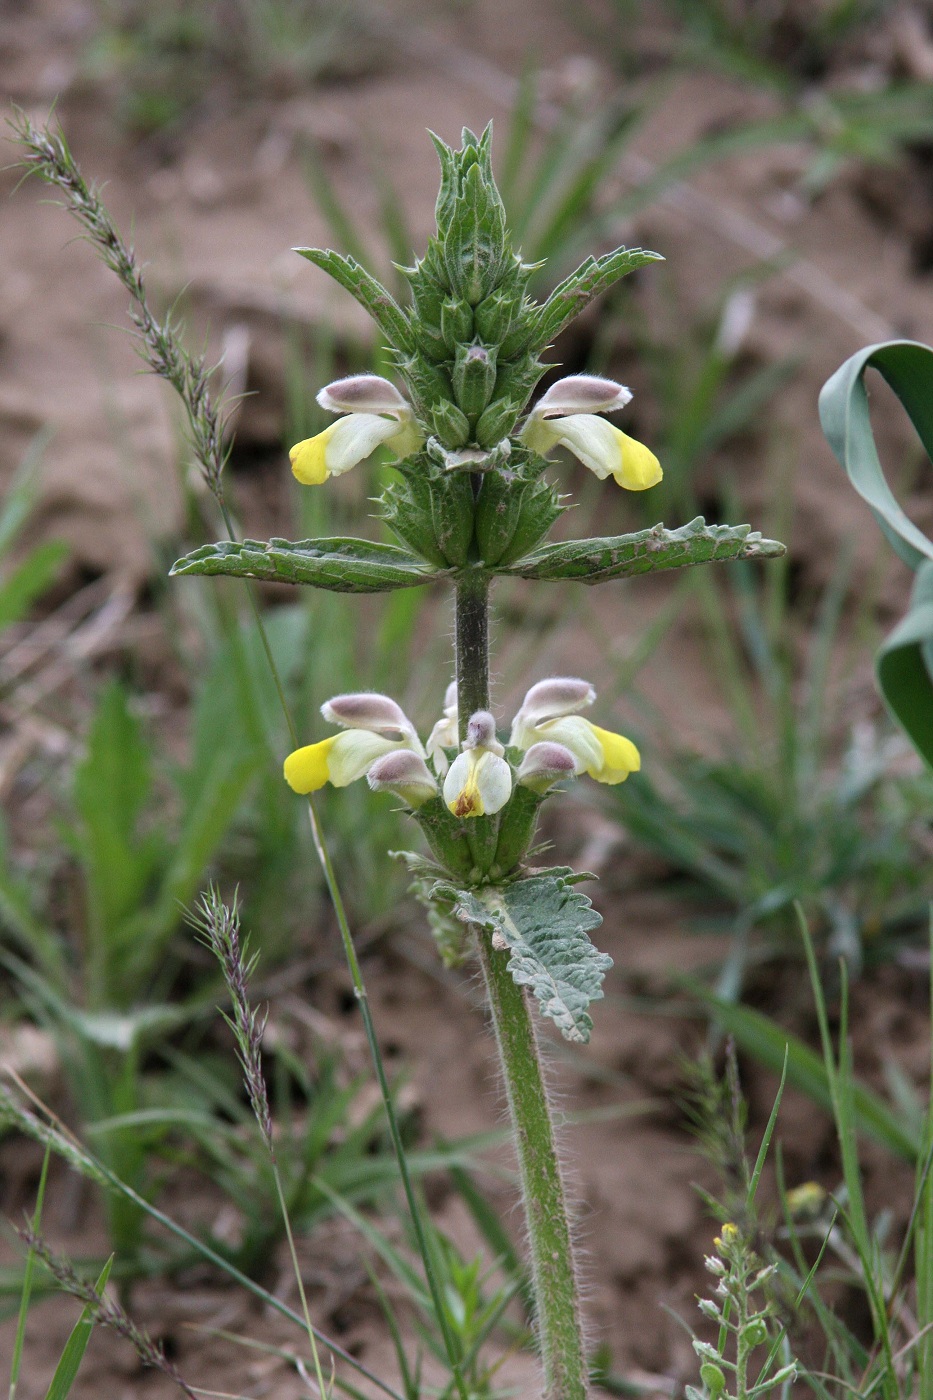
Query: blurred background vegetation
[(779, 154)]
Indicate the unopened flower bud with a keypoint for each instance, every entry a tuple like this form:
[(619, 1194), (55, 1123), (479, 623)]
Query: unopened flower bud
[(456, 323), (481, 732), (582, 393), (474, 378), (756, 1332), (451, 426), (406, 774), (363, 393), (544, 764)]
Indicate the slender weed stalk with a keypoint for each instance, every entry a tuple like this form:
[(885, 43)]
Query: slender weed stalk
[(468, 502), (219, 926), (104, 1311)]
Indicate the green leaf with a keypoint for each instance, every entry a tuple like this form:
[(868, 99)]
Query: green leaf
[(340, 565), (771, 1045), (66, 1372), (545, 922), (371, 295), (19, 496), (621, 556), (591, 278), (29, 580), (904, 666), (111, 787), (908, 368)]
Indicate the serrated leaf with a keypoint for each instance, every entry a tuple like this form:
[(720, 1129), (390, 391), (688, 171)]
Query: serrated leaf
[(545, 923), (339, 565), (371, 294), (621, 556), (590, 280)]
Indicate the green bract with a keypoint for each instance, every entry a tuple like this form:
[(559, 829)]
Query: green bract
[(469, 349)]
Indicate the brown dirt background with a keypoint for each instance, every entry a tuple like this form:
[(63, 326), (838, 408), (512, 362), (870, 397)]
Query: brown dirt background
[(215, 211)]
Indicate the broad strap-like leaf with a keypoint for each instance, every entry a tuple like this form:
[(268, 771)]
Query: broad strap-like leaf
[(545, 923), (621, 556), (904, 666), (592, 277), (908, 368), (340, 565), (371, 294)]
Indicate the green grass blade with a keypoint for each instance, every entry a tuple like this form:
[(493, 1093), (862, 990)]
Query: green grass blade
[(20, 494), (66, 1372), (27, 1280), (807, 1072), (20, 589), (766, 1140)]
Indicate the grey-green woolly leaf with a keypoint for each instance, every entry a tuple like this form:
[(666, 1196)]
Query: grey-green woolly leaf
[(339, 565), (621, 556), (592, 277), (371, 294), (545, 924)]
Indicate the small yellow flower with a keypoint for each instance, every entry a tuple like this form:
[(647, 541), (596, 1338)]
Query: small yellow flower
[(566, 416), (547, 714), (373, 725), (806, 1199), (375, 412), (728, 1238)]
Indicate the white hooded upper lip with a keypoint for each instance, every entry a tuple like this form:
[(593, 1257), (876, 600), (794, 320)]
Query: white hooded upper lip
[(363, 393), (581, 393)]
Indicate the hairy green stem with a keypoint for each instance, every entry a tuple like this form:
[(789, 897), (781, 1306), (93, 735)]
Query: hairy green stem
[(471, 630), (559, 1322)]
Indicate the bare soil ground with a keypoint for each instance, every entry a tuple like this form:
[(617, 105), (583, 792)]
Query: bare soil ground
[(215, 208)]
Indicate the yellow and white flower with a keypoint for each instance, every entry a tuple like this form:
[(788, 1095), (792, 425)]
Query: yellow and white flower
[(549, 713), (375, 412), (566, 416), (444, 734), (372, 726), (479, 782)]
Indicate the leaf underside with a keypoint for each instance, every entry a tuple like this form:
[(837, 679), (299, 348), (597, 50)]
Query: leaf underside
[(545, 923)]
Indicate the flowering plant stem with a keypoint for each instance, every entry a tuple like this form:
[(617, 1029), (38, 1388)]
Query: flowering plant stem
[(559, 1321)]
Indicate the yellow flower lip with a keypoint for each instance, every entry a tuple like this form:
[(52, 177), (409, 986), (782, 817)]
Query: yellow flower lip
[(374, 413), (373, 726), (549, 714), (567, 416), (306, 770)]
